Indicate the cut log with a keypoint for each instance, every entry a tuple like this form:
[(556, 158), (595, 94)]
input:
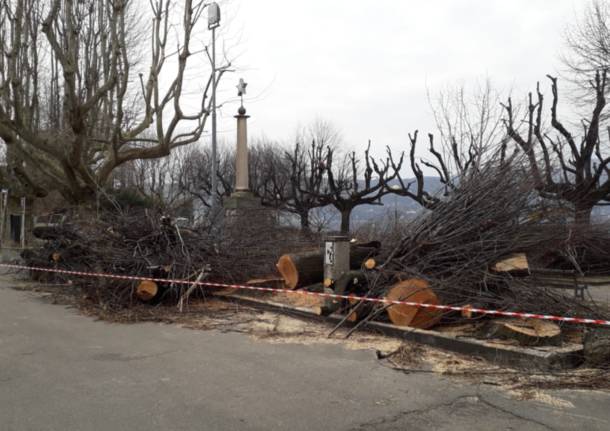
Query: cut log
[(514, 263), (370, 263), (527, 332), (147, 290), (466, 312), (304, 268), (353, 282), (359, 253), (358, 311), (51, 232), (596, 346), (353, 315), (329, 305), (413, 290), (301, 269), (271, 281)]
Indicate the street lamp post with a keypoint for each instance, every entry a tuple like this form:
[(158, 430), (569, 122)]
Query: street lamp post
[(213, 23)]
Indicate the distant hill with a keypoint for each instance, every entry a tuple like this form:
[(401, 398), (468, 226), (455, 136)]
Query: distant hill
[(391, 206), (404, 206)]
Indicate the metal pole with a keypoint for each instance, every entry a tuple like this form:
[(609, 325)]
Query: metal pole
[(214, 143), (23, 203), (3, 215)]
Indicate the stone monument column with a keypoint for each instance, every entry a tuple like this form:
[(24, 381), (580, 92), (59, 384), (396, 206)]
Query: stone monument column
[(243, 207), (242, 201), (241, 154)]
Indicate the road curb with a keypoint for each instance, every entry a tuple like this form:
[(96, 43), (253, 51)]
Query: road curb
[(555, 358)]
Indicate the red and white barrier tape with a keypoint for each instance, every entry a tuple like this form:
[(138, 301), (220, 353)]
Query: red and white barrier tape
[(318, 294)]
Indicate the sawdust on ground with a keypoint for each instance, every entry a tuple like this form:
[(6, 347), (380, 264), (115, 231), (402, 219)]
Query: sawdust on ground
[(223, 315)]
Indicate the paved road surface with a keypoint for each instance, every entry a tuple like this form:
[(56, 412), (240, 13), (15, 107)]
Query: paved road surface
[(63, 371)]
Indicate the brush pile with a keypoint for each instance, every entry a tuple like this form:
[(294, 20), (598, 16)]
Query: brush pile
[(488, 217), (148, 243)]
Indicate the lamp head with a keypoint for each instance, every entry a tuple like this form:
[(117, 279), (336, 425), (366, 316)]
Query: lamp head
[(213, 15)]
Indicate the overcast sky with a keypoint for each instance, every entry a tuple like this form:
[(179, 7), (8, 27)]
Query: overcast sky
[(366, 66)]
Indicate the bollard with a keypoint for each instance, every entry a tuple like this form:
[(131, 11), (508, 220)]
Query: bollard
[(336, 258)]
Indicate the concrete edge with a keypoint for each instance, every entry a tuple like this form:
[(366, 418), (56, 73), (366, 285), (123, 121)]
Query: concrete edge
[(513, 356)]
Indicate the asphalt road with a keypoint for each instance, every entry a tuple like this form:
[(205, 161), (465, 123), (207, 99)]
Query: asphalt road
[(63, 371)]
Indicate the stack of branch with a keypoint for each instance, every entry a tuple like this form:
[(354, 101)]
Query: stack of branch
[(490, 215), (148, 243)]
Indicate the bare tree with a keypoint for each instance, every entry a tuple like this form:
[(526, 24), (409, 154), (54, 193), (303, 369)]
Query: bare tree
[(194, 178), (470, 132), (268, 176), (306, 169), (77, 99), (469, 127), (269, 173), (564, 167), (298, 177), (158, 179), (322, 218), (587, 41), (348, 187)]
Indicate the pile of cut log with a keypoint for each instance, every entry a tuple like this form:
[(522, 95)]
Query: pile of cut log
[(486, 245), (307, 267), (483, 246)]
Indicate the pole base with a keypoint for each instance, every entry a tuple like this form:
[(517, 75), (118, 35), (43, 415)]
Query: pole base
[(242, 199)]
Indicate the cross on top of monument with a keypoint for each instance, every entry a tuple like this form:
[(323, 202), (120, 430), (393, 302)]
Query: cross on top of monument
[(241, 90), (241, 87)]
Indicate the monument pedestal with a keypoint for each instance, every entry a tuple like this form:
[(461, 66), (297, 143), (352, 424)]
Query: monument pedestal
[(244, 207), (242, 200)]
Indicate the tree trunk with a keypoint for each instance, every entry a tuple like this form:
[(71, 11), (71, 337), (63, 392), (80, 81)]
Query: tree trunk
[(304, 216), (345, 220), (582, 214)]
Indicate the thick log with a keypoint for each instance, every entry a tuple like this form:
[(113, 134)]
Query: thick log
[(304, 268), (51, 232), (514, 263), (370, 263), (413, 290), (358, 311), (147, 290), (301, 269), (352, 282), (359, 253), (527, 332), (271, 281)]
